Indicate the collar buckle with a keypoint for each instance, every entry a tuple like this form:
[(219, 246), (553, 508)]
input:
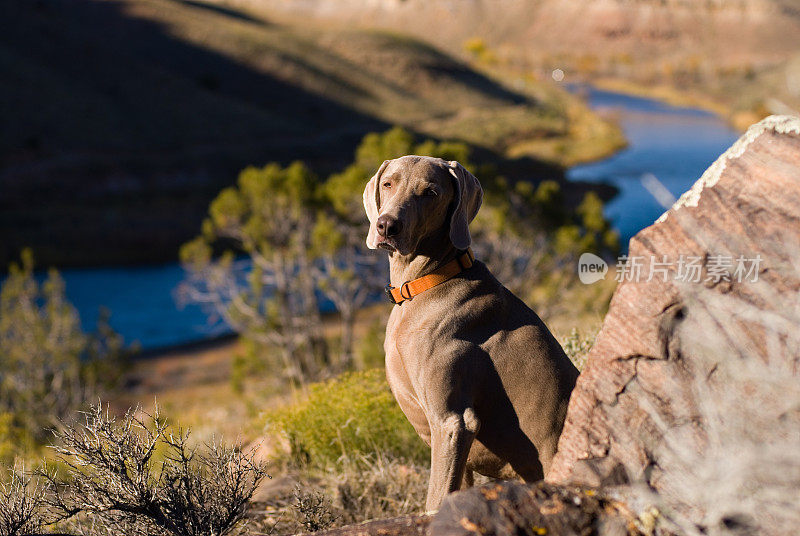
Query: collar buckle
[(388, 290), (463, 261)]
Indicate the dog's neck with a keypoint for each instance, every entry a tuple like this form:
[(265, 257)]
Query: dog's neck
[(431, 253)]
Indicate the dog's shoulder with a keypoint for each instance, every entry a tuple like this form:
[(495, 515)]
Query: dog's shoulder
[(485, 295)]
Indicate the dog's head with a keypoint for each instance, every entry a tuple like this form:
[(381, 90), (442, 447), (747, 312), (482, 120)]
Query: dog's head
[(413, 197)]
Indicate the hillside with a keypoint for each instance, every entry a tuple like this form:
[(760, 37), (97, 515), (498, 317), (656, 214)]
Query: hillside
[(731, 30), (738, 57), (122, 118)]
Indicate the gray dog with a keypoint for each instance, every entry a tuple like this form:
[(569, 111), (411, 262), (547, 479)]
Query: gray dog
[(477, 373)]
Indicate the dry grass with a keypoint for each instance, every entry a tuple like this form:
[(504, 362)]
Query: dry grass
[(193, 385), (579, 306), (577, 345), (359, 489)]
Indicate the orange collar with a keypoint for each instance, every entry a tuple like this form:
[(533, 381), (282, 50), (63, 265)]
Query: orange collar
[(409, 289)]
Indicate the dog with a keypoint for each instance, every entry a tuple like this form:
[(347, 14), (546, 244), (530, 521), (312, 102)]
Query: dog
[(476, 372)]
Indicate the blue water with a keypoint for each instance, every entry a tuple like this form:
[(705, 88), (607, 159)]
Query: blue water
[(674, 144), (143, 303), (145, 306)]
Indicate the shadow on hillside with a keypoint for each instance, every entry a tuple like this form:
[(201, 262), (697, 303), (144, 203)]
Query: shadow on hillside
[(458, 71), (223, 10), (117, 132), (152, 83)]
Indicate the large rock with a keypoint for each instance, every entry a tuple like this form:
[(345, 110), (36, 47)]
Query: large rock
[(517, 509), (411, 525), (665, 336), (510, 509)]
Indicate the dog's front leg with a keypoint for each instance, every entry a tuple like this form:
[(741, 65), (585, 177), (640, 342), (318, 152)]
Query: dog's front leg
[(451, 439)]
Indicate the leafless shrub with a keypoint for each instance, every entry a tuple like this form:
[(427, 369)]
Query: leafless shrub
[(314, 509), (135, 476), (21, 505)]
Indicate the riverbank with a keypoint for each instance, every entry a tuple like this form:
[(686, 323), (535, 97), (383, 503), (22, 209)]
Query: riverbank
[(195, 384), (669, 144), (663, 93), (739, 115)]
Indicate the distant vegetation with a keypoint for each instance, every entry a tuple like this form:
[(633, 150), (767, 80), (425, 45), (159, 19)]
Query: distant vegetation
[(49, 367), (281, 233)]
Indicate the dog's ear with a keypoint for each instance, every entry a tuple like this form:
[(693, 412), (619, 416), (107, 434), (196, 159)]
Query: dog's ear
[(468, 196), (372, 200)]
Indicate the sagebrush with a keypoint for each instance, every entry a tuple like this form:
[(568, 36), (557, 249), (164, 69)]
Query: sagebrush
[(349, 416), (136, 475), (22, 504)]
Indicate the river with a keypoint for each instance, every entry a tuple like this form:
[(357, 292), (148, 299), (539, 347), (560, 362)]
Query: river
[(673, 144)]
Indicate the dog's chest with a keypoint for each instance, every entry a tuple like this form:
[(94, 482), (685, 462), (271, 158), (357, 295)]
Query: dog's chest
[(403, 374)]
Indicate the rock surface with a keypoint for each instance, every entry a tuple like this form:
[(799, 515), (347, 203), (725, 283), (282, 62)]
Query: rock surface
[(413, 525), (509, 509), (745, 207), (516, 509)]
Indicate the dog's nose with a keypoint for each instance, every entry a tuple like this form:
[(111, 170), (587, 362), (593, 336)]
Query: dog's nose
[(388, 226)]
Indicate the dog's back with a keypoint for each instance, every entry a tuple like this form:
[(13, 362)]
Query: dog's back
[(471, 336)]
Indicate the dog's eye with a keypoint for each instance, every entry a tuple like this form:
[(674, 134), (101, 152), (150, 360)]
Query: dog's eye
[(387, 184), (430, 192)]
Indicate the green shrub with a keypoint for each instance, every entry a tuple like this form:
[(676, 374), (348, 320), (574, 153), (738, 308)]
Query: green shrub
[(49, 367), (14, 441), (479, 50), (352, 415)]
